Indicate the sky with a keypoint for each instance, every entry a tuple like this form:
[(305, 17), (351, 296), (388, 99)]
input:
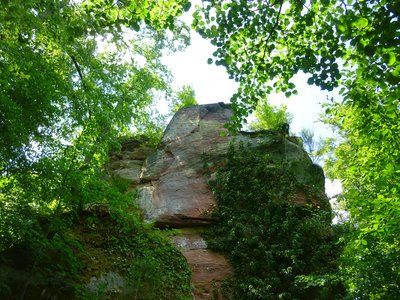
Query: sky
[(212, 84)]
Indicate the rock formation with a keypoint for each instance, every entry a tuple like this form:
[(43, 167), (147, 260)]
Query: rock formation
[(171, 187)]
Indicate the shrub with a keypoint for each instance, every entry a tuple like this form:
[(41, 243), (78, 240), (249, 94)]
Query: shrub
[(276, 247)]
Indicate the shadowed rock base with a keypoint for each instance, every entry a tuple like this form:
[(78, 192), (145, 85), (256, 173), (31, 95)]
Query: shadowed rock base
[(209, 268)]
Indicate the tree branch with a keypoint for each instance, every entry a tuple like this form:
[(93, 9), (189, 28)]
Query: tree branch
[(272, 30), (78, 69), (269, 37)]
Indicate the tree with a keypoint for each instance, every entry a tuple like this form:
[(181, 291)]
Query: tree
[(185, 97), (65, 100), (365, 161), (75, 76), (269, 116), (53, 71), (350, 45), (314, 147)]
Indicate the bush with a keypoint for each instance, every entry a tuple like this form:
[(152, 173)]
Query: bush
[(274, 246)]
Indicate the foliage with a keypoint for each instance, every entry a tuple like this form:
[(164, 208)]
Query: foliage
[(366, 162), (269, 116), (151, 266), (103, 240), (263, 44), (64, 101), (350, 45), (184, 97), (75, 76), (56, 81), (279, 250), (315, 148)]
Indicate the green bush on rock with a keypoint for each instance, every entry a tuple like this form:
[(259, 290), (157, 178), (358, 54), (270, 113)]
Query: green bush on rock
[(130, 262), (279, 250), (104, 251)]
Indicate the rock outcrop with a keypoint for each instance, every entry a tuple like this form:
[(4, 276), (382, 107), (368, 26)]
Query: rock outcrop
[(209, 268), (171, 187)]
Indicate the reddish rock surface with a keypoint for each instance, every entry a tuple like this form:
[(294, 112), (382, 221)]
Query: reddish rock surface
[(169, 180), (209, 268), (171, 188)]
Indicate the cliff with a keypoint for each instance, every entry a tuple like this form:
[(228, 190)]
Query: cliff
[(172, 190), (250, 208)]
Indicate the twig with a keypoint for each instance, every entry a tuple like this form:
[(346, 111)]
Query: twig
[(272, 30), (78, 69), (269, 37)]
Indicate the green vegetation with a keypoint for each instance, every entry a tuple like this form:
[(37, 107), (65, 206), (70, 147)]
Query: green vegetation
[(145, 265), (75, 76), (184, 97), (269, 116), (279, 249), (349, 45), (100, 252)]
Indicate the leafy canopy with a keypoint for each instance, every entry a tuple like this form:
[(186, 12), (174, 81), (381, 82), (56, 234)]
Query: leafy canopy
[(65, 99), (185, 97), (75, 76), (263, 44), (350, 45)]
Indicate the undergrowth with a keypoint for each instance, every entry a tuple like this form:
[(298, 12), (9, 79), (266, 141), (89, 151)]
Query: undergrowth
[(102, 251), (151, 267), (278, 249)]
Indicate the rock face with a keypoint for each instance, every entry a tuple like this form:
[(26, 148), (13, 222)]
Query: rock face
[(209, 268), (173, 191)]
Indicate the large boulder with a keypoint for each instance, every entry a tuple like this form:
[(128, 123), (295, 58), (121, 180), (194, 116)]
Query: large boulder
[(172, 190), (170, 183)]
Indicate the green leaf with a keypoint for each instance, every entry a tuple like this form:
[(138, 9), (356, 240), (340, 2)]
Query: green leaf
[(341, 27), (396, 71), (360, 23), (187, 6), (391, 58)]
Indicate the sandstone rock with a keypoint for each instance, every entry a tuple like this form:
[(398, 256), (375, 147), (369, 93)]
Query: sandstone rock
[(209, 268), (127, 169), (207, 118), (128, 163), (156, 165), (172, 190), (183, 200)]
